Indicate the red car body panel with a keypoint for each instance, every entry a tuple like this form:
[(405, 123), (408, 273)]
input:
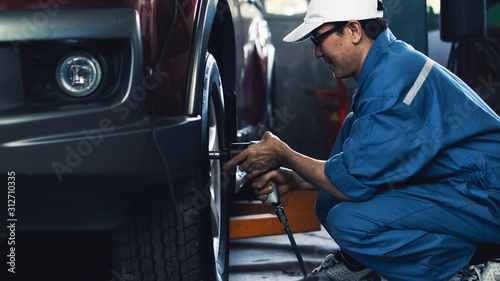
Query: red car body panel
[(60, 145), (155, 19)]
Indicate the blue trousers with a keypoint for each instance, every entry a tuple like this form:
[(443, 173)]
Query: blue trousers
[(425, 232)]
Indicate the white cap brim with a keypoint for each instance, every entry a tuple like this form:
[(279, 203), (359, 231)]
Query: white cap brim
[(324, 11), (302, 32)]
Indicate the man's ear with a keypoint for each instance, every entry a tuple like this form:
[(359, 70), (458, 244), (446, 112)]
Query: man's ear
[(355, 31)]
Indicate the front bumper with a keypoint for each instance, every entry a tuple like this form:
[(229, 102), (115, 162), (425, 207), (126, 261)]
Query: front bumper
[(71, 155)]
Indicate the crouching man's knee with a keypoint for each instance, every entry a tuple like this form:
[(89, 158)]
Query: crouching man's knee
[(349, 228), (324, 204)]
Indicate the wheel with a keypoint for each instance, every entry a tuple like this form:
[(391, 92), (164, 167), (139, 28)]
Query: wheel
[(221, 184), (190, 242)]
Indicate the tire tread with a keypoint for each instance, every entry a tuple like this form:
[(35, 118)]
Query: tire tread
[(151, 246)]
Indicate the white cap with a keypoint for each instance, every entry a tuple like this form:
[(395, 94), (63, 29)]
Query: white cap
[(323, 11)]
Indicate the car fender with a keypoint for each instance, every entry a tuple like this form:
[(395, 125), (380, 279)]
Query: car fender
[(203, 25)]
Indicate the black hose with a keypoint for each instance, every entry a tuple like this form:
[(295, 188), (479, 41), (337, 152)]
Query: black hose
[(178, 217), (280, 212)]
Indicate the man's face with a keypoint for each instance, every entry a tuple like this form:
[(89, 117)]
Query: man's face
[(337, 51)]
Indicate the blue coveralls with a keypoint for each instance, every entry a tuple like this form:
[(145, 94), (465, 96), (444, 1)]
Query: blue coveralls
[(420, 155)]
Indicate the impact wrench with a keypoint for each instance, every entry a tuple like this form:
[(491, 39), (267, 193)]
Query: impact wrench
[(272, 198)]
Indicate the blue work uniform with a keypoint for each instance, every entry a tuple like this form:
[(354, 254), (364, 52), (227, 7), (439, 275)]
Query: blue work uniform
[(420, 156)]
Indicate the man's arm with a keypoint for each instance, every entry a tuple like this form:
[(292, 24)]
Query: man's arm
[(312, 171), (271, 153)]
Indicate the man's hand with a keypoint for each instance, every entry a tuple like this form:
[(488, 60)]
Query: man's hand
[(259, 158), (285, 179), (270, 154)]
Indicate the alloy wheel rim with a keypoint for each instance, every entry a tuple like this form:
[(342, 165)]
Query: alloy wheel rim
[(215, 182)]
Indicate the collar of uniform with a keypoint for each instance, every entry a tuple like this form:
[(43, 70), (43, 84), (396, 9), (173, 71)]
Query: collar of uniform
[(385, 39)]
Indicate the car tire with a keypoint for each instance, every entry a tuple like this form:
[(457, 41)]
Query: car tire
[(218, 126), (158, 242)]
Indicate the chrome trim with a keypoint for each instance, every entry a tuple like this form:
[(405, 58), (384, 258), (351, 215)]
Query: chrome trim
[(271, 52), (202, 27)]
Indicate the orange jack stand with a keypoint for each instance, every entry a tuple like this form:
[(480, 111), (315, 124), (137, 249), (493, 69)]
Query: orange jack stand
[(252, 218)]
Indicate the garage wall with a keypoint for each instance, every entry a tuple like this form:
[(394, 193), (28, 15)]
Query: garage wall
[(298, 71), (408, 21)]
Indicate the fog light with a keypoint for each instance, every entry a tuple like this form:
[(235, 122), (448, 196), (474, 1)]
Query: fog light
[(78, 74)]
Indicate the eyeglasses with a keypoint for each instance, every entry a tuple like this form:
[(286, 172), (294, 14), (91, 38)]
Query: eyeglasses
[(318, 39)]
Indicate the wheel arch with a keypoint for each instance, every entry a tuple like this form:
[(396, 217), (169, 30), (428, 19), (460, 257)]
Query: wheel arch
[(222, 44), (214, 33)]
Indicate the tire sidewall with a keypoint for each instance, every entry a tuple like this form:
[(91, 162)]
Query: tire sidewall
[(212, 80)]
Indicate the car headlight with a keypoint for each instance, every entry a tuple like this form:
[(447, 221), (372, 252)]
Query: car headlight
[(78, 74)]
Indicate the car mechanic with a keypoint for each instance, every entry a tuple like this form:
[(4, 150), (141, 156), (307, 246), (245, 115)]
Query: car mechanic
[(411, 187)]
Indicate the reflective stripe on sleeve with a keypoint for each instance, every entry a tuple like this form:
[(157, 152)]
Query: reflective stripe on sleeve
[(418, 83)]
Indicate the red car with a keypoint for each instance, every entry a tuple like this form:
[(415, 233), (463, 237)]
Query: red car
[(108, 110)]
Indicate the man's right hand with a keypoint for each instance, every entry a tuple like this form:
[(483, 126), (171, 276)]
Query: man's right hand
[(285, 179)]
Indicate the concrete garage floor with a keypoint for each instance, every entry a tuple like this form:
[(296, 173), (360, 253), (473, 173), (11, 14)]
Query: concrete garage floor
[(272, 257)]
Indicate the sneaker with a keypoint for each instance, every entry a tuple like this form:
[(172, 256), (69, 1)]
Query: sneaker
[(333, 268), (489, 271), (470, 273)]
